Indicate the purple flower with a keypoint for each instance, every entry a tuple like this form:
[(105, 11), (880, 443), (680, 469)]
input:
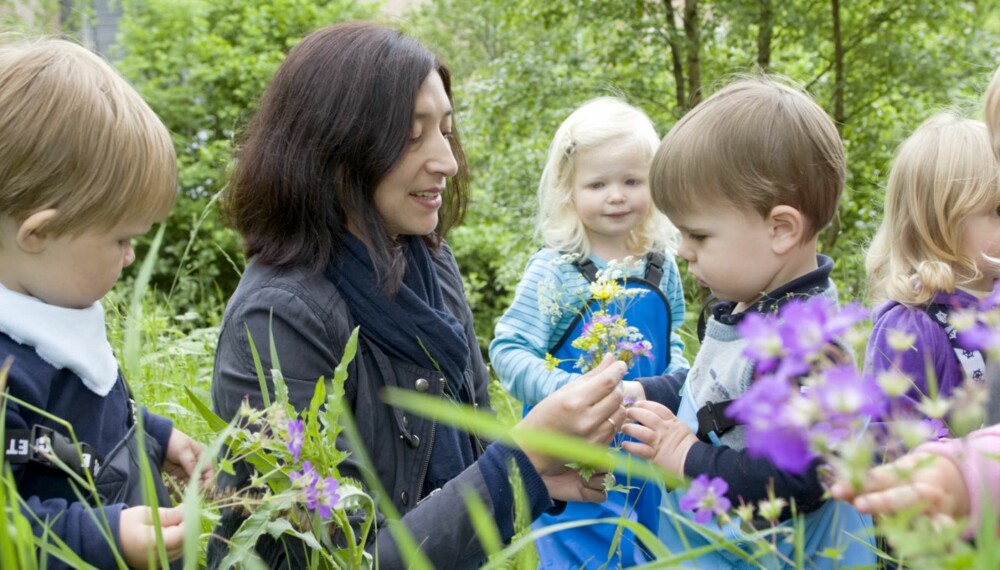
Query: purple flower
[(847, 394), (322, 496), (636, 349), (802, 328), (809, 326), (598, 319), (763, 340), (787, 448), (296, 436), (706, 497), (774, 428), (839, 321), (763, 405), (935, 428), (992, 300), (978, 337), (307, 471), (320, 493)]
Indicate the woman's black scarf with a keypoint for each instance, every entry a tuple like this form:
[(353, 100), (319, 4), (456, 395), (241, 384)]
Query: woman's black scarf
[(415, 326)]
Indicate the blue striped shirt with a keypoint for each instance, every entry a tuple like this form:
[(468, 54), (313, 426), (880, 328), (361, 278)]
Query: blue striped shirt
[(551, 292)]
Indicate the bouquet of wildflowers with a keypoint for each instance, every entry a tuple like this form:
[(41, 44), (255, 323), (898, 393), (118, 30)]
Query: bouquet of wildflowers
[(605, 330), (296, 489)]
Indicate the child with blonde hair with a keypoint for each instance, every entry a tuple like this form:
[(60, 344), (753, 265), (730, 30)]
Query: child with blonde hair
[(948, 478), (85, 167), (594, 209), (937, 250)]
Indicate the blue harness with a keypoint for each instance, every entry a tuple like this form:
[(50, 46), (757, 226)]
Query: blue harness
[(596, 545)]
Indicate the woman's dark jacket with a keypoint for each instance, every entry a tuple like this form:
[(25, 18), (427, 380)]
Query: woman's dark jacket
[(311, 324)]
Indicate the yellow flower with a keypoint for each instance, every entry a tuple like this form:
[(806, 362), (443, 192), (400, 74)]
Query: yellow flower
[(604, 290), (551, 362)]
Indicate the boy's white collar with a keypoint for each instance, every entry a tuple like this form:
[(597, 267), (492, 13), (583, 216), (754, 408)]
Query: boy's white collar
[(65, 338)]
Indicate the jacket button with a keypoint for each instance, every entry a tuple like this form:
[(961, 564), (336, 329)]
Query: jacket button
[(404, 498), (415, 441), (422, 385)]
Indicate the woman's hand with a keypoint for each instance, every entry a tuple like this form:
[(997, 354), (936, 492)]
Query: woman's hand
[(589, 408), (570, 486)]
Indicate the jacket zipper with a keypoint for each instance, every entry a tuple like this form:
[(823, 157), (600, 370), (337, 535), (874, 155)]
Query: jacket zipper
[(427, 457)]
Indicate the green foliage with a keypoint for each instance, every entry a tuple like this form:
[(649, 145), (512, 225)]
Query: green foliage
[(522, 66), (201, 65)]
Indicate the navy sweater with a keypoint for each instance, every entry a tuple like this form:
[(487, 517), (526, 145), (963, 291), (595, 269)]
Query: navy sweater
[(101, 421)]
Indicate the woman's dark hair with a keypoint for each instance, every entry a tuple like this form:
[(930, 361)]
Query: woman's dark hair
[(333, 122)]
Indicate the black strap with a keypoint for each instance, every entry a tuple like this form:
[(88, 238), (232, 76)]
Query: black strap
[(39, 443), (712, 418), (704, 314), (36, 444), (587, 268), (654, 268)]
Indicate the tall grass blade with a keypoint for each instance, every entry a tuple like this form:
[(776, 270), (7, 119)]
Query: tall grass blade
[(133, 324)]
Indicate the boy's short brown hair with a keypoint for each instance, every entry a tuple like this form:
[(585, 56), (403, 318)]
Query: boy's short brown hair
[(75, 136), (757, 144)]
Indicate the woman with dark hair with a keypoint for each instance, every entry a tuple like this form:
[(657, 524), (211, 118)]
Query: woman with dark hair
[(347, 179)]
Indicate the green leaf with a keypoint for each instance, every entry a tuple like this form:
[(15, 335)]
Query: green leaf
[(560, 445)]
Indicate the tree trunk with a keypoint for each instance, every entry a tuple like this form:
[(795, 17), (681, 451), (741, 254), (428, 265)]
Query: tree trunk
[(765, 23), (692, 31), (838, 66), (838, 104), (675, 56)]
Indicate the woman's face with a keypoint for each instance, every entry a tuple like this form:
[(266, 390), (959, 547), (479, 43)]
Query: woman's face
[(409, 196)]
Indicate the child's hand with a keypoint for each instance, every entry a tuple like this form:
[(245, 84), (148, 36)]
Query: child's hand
[(183, 454), (918, 478), (137, 535), (633, 391), (663, 439)]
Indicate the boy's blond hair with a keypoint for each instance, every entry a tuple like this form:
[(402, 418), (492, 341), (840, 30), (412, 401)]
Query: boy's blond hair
[(943, 173), (75, 136), (600, 122), (755, 144)]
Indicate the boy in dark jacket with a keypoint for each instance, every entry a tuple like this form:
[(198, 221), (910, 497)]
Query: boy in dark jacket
[(750, 176), (85, 167)]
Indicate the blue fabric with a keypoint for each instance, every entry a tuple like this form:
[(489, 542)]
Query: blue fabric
[(100, 421), (493, 464), (415, 326), (593, 545), (548, 297), (835, 525)]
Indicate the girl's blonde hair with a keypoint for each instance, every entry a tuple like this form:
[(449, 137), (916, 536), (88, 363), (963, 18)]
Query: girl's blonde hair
[(943, 173), (594, 124), (992, 111)]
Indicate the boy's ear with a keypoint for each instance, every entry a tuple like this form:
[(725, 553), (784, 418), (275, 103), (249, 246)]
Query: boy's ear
[(32, 234), (787, 227)]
